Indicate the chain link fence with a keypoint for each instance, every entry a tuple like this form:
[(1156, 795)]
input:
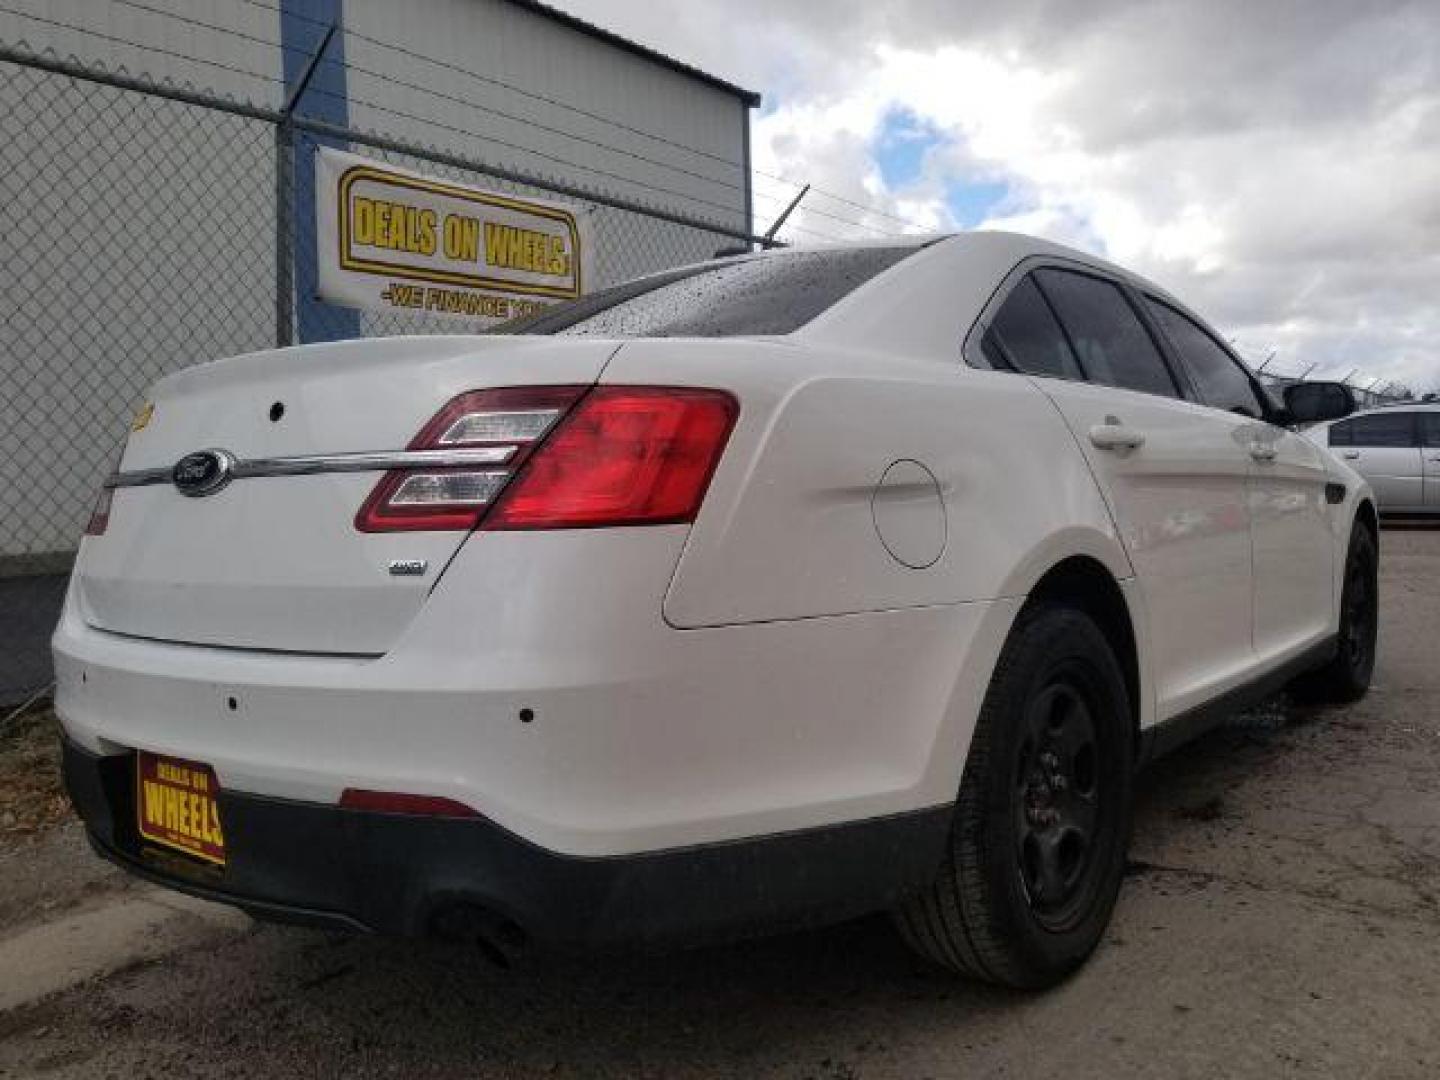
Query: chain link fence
[(142, 238)]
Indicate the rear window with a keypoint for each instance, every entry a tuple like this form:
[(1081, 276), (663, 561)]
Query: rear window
[(1113, 345), (1028, 337), (1376, 430), (772, 294)]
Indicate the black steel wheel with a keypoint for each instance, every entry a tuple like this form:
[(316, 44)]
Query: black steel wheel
[(1042, 821), (1347, 676), (1057, 803)]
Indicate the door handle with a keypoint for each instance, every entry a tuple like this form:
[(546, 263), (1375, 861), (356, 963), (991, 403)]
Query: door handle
[(1262, 451), (1351, 455), (1113, 435)]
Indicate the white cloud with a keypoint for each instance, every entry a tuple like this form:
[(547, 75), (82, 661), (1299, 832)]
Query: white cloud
[(1273, 164)]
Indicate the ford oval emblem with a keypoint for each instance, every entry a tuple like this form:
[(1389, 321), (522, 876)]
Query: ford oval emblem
[(203, 472)]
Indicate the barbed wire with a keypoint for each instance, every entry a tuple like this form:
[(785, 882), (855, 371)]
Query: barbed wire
[(349, 67), (790, 227), (113, 39), (1378, 386), (610, 121)]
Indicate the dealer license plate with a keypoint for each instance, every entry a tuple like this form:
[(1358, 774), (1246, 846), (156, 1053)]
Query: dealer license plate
[(175, 802)]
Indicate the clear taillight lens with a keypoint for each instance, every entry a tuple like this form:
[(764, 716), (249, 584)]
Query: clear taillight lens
[(513, 419), (617, 455)]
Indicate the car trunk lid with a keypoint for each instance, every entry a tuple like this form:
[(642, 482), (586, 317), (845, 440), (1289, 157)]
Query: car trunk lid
[(276, 561)]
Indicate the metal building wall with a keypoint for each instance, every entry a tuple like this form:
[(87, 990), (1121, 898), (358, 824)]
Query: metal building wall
[(240, 65), (504, 59)]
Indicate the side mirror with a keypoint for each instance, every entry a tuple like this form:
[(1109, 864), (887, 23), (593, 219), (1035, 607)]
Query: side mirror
[(1312, 402)]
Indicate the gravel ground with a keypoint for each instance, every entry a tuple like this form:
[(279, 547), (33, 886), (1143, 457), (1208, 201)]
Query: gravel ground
[(1281, 918), (31, 799)]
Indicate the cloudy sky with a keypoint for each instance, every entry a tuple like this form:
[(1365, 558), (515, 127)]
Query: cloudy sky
[(1276, 164)]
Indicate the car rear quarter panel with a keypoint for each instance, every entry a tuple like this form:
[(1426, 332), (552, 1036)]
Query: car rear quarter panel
[(788, 529)]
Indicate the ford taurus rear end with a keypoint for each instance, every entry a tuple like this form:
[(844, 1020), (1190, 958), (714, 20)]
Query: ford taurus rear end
[(386, 635)]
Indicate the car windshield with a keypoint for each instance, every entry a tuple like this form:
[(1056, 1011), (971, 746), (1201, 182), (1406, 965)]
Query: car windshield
[(750, 295)]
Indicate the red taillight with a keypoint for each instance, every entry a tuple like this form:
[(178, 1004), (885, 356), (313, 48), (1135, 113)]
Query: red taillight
[(100, 514), (624, 455), (399, 802), (627, 455)]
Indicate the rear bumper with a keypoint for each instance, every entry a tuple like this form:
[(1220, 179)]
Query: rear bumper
[(405, 875), (559, 705)]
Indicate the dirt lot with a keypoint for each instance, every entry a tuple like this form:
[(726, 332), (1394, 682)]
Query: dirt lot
[(1282, 918), (30, 795)]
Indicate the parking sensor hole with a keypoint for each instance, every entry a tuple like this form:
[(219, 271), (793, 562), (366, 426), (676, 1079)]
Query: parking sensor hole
[(527, 715), (277, 411), (232, 703)]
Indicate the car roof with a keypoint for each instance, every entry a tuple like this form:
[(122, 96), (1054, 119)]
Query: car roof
[(1002, 243), (925, 305)]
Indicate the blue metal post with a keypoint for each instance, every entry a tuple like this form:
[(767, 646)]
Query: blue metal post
[(303, 24)]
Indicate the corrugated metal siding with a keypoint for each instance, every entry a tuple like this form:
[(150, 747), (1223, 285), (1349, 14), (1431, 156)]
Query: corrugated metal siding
[(165, 49), (695, 163)]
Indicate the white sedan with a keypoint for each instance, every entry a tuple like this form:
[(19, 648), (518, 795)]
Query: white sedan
[(765, 591), (1396, 449)]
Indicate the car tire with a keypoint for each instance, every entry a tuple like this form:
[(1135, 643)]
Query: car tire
[(1042, 822), (1346, 677)]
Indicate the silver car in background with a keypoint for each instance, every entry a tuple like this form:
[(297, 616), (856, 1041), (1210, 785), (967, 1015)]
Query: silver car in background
[(1396, 448)]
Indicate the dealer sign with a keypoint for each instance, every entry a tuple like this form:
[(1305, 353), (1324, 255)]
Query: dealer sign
[(393, 240)]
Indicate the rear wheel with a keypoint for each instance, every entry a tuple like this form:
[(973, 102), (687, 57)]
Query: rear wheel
[(1041, 825), (1347, 676)]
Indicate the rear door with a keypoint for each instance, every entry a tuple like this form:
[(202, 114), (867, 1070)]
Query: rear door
[(1172, 472), (1292, 549), (1384, 447)]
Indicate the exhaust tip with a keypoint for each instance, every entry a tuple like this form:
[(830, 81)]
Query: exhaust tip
[(499, 939)]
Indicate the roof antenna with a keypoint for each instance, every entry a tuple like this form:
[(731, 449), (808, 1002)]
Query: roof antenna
[(768, 240)]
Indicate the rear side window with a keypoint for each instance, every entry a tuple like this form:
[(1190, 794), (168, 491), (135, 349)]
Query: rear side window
[(1026, 336), (1113, 346), (1377, 430), (1218, 376), (771, 294)]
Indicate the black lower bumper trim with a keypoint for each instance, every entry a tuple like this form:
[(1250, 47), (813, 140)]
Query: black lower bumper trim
[(173, 873), (1169, 735), (399, 874)]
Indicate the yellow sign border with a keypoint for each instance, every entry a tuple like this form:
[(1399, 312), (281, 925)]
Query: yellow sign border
[(444, 277), (171, 845)]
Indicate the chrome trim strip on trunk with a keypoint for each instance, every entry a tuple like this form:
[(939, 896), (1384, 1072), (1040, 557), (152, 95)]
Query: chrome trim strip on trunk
[(311, 465)]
